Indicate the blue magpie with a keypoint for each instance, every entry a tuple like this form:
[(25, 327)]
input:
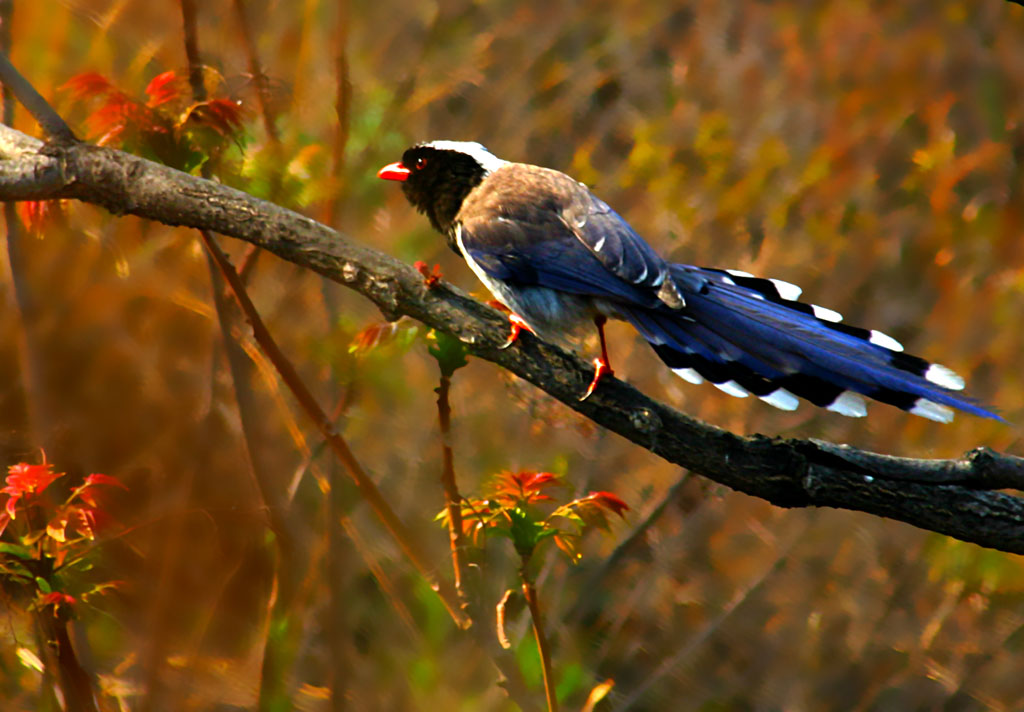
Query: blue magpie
[(559, 258)]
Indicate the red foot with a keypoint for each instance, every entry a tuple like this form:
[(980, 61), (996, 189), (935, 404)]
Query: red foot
[(517, 322), (601, 369), (518, 325), (430, 278)]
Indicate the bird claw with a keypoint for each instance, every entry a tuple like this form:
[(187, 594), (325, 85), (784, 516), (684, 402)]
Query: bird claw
[(601, 370), (518, 325)]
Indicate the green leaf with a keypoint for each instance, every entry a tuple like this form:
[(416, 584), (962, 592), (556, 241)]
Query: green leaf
[(16, 550), (15, 572), (449, 352)]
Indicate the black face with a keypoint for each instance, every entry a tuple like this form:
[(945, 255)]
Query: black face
[(438, 182)]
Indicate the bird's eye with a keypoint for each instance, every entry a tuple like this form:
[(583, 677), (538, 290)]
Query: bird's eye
[(420, 163)]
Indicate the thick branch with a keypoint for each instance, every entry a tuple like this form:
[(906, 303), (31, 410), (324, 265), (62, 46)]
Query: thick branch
[(788, 473)]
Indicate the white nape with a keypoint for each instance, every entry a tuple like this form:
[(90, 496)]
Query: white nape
[(487, 160)]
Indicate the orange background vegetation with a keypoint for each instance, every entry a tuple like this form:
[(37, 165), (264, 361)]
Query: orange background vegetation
[(870, 152)]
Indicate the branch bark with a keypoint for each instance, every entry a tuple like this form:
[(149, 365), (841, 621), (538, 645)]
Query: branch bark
[(944, 496)]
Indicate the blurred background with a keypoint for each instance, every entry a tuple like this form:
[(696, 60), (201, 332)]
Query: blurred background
[(870, 152)]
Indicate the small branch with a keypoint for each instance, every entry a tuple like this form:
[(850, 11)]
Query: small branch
[(592, 590), (452, 498), (343, 92), (54, 126), (698, 641), (367, 488), (191, 35), (511, 681), (248, 263), (256, 71)]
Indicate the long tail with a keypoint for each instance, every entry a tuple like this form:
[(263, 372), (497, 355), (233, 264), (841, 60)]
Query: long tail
[(748, 335)]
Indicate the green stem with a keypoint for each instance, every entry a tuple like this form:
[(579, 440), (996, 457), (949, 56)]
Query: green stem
[(530, 592)]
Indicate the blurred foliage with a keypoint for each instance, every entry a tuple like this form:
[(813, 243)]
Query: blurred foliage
[(870, 152)]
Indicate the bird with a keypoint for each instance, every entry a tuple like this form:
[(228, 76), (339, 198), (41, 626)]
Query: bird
[(561, 260)]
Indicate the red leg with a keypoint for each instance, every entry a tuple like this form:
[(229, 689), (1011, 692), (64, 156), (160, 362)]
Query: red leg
[(602, 366)]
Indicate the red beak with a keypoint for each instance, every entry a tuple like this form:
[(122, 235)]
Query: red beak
[(394, 171)]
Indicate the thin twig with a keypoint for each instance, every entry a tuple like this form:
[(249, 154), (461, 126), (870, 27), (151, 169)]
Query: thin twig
[(36, 398), (343, 110), (698, 641), (592, 588), (51, 122), (191, 37), (452, 498), (248, 263), (288, 574), (256, 72), (409, 545)]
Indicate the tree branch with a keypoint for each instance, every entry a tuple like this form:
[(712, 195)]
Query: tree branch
[(50, 120), (786, 472)]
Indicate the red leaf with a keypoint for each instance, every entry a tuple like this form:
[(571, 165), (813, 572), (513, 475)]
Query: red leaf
[(100, 479), (373, 336), (117, 113), (222, 115), (57, 599), (29, 479), (9, 507), (35, 213), (84, 521), (430, 278), (163, 88), (227, 111), (88, 85), (91, 521), (535, 480), (509, 487), (610, 502)]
